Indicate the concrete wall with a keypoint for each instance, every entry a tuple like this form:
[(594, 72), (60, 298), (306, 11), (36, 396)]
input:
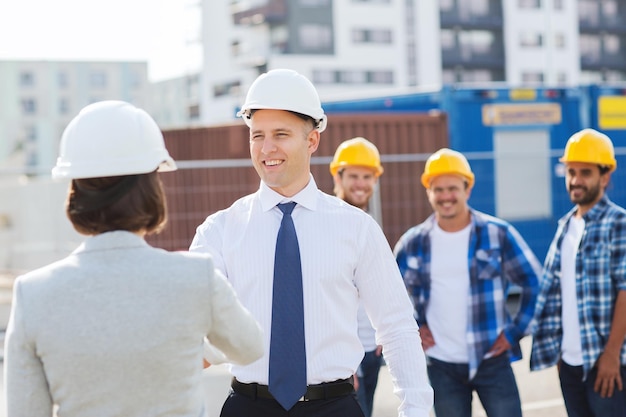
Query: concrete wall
[(33, 228)]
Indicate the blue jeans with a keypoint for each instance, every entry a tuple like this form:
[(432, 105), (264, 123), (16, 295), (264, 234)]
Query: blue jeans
[(580, 398), (494, 383), (370, 365)]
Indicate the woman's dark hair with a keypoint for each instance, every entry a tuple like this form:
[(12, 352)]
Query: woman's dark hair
[(129, 202)]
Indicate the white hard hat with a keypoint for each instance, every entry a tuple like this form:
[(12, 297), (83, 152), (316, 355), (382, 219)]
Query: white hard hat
[(284, 89), (111, 138)]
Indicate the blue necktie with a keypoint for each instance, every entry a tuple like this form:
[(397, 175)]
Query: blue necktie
[(287, 369)]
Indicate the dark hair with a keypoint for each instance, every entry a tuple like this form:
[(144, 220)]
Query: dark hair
[(604, 169), (129, 202)]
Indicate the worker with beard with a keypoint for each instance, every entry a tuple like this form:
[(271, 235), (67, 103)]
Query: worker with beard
[(458, 266), (581, 308), (355, 169)]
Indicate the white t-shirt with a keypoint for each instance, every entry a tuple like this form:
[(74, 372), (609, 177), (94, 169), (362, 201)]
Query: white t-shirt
[(571, 347), (449, 291)]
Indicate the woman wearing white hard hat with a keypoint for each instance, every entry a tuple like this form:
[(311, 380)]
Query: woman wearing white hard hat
[(117, 327)]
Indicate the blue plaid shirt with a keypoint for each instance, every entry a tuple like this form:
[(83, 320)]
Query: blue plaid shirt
[(600, 275), (497, 257)]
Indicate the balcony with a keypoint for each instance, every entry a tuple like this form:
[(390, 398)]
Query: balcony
[(275, 11), (594, 23), (462, 16), (603, 61), (471, 58)]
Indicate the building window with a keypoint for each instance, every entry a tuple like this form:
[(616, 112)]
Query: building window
[(531, 40), (229, 88), (448, 39), (30, 134), (529, 4), (279, 37), (27, 79), (559, 40), (589, 11), (135, 79), (194, 112), (532, 77), (380, 77), (590, 47), (610, 8), (315, 37), (235, 48), (98, 79), (611, 44), (352, 77), (64, 105), (371, 36), (324, 77), (62, 79), (476, 41), (446, 5), (29, 106), (561, 78)]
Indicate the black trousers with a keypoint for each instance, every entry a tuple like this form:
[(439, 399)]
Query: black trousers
[(238, 405)]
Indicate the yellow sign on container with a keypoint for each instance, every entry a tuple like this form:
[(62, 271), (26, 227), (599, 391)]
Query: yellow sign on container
[(521, 114), (612, 112), (523, 94)]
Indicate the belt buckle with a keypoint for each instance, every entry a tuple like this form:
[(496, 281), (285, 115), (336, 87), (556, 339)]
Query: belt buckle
[(303, 398)]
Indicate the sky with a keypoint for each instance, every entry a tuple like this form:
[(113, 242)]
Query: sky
[(157, 31)]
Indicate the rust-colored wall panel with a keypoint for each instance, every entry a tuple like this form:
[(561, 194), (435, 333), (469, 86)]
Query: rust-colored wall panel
[(215, 169)]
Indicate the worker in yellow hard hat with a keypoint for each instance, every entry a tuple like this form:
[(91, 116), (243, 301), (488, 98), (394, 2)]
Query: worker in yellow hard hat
[(355, 169), (581, 308), (457, 266)]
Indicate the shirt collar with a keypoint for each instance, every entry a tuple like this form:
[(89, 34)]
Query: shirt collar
[(593, 214), (307, 197), (596, 211)]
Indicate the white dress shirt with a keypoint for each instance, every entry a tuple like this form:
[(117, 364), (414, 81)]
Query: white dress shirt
[(344, 256)]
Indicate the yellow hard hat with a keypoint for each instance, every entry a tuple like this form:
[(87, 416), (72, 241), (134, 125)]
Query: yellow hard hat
[(447, 161), (356, 151), (592, 147)]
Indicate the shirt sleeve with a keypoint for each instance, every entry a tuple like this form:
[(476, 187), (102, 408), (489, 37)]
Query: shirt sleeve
[(26, 386), (234, 330), (388, 305), (522, 268), (208, 239)]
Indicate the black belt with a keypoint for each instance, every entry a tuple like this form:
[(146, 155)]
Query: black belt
[(326, 390)]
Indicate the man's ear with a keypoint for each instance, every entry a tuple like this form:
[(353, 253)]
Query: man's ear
[(314, 140)]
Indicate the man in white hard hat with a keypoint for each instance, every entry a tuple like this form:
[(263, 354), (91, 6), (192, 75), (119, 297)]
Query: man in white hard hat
[(301, 260)]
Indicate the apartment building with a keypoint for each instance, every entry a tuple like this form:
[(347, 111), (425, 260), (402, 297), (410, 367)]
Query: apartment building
[(39, 98), (358, 47)]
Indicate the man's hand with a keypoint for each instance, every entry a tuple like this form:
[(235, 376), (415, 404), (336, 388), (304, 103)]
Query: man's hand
[(500, 346), (608, 375), (428, 340), (379, 350)]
